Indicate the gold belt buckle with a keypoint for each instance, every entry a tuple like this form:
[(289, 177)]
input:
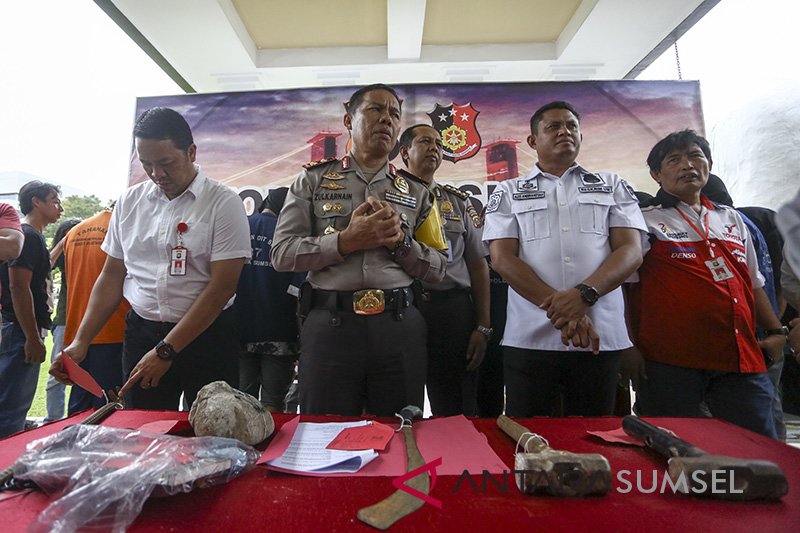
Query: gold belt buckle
[(368, 302)]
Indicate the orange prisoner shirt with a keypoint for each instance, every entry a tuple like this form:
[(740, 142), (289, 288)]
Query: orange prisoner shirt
[(84, 262)]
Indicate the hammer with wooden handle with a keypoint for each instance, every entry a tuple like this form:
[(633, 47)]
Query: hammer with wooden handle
[(543, 470), (694, 471)]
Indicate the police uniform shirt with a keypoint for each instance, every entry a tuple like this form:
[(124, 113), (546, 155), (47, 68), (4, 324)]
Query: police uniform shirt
[(562, 225), (689, 318), (462, 230), (319, 205), (143, 231)]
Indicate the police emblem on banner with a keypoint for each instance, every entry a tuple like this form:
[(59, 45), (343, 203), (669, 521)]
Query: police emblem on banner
[(456, 125)]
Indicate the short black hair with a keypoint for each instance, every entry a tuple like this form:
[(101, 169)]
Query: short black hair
[(408, 135), (678, 140), (357, 97), (34, 189), (62, 230), (558, 104), (161, 123)]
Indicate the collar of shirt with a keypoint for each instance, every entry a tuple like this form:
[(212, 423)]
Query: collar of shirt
[(665, 199), (536, 172), (195, 188)]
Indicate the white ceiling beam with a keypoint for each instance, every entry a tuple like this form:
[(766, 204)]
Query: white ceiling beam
[(405, 20)]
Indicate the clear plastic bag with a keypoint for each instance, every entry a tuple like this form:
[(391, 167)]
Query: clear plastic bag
[(102, 476)]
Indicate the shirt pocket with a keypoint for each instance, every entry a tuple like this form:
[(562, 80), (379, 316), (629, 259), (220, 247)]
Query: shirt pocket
[(532, 217), (593, 212), (332, 215)]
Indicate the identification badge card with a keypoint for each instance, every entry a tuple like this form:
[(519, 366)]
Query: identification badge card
[(177, 263), (719, 269)]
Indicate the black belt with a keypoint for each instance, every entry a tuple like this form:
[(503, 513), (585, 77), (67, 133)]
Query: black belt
[(365, 301), (447, 294)]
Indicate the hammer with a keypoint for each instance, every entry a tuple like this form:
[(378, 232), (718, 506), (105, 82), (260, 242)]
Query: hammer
[(692, 470), (543, 470)]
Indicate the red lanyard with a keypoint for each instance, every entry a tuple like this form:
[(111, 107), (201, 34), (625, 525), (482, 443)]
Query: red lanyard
[(702, 235)]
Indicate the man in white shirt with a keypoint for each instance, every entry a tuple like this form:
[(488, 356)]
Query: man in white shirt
[(176, 245), (565, 239)]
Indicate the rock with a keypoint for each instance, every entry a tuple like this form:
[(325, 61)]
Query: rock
[(222, 411)]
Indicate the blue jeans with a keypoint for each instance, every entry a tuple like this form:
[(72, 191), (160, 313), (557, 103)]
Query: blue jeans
[(744, 399), (18, 380), (55, 391), (777, 406), (104, 363)]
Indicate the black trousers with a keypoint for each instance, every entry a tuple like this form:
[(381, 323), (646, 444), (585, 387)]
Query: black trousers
[(212, 356), (353, 364), (450, 318), (536, 380)]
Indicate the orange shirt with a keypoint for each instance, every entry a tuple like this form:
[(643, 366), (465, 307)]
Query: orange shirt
[(84, 262)]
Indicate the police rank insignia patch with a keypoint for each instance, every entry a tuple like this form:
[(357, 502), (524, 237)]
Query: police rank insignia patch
[(494, 201), (456, 125)]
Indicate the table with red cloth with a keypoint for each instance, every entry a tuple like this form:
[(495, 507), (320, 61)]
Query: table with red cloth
[(264, 500)]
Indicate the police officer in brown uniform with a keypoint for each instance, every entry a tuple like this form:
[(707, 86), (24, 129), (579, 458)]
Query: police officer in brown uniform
[(350, 224), (456, 309)]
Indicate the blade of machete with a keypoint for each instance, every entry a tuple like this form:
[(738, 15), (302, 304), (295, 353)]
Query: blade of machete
[(388, 511)]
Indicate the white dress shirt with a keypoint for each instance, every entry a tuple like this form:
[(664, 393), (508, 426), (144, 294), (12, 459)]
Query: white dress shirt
[(562, 225), (144, 230)]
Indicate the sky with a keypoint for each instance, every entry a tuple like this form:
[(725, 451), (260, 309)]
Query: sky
[(70, 87)]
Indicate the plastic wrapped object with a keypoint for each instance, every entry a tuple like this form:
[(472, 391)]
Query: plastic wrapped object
[(102, 476)]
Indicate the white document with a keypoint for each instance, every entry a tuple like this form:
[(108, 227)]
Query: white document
[(307, 451)]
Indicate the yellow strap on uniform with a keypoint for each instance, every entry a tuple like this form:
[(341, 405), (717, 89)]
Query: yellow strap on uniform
[(431, 232)]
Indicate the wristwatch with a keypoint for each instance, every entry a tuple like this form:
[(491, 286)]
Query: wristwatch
[(783, 330), (402, 248), (589, 294), (165, 351), (486, 331)]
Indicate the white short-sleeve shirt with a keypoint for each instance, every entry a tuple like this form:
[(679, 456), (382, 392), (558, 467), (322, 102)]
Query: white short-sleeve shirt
[(562, 225), (144, 230)]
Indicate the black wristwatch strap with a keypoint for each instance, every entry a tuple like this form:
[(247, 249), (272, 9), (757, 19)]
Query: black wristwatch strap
[(783, 330)]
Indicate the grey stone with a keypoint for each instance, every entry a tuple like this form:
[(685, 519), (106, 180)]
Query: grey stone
[(222, 411)]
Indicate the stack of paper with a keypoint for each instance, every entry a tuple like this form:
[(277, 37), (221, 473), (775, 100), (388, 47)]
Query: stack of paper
[(308, 452)]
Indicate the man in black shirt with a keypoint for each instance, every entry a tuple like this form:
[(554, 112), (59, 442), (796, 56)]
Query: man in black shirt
[(27, 304)]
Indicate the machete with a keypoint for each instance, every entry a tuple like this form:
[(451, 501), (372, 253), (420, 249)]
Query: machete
[(388, 511)]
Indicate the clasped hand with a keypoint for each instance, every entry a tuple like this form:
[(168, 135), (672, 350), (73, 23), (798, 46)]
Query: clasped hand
[(373, 224)]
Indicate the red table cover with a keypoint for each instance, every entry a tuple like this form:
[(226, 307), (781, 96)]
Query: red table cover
[(263, 500)]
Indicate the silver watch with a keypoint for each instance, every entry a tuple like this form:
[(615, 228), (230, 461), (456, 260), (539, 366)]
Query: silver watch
[(486, 331)]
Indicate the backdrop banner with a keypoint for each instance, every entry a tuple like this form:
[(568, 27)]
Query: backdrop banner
[(258, 140)]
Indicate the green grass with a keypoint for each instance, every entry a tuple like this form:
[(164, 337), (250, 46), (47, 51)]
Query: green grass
[(39, 405)]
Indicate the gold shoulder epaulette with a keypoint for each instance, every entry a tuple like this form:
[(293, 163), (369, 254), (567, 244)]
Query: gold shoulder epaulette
[(314, 164), (473, 214), (458, 192)]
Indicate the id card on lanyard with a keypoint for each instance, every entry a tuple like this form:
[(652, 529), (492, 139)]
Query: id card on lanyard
[(179, 254), (716, 265)]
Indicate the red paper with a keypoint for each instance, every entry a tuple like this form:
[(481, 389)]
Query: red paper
[(454, 439), (80, 377), (373, 436), (617, 436), (164, 427)]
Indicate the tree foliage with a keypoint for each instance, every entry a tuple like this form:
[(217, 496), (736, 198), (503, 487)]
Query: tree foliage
[(80, 207)]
